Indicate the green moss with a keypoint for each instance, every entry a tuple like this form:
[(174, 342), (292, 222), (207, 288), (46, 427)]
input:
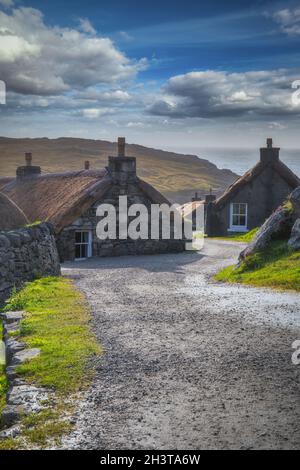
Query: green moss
[(277, 267), (57, 322)]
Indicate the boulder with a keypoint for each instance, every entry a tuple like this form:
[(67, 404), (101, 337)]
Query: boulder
[(277, 226), (294, 241), (295, 200)]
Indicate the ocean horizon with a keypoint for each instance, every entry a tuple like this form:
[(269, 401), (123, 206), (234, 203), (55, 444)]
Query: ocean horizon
[(239, 160)]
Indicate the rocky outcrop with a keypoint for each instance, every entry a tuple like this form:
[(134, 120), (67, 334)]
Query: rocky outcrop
[(284, 223), (294, 241), (295, 200), (25, 254)]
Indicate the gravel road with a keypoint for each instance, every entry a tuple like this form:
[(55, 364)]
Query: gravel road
[(188, 363)]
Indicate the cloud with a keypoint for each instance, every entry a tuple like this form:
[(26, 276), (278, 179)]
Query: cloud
[(38, 59), (86, 26), (93, 113), (288, 20), (7, 3), (214, 94)]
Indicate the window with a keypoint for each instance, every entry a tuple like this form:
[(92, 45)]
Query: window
[(83, 244), (238, 217)]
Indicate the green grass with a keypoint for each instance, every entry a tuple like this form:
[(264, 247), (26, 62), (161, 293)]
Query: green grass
[(57, 322), (33, 224), (277, 267), (240, 237), (3, 381)]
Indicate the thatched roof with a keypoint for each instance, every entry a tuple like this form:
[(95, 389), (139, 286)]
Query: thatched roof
[(61, 198), (11, 216), (4, 180), (250, 175)]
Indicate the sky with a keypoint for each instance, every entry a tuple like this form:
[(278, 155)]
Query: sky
[(166, 74)]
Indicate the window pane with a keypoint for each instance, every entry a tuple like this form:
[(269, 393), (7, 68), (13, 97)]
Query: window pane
[(77, 237), (235, 220), (235, 209), (242, 220), (243, 209), (85, 237), (84, 251)]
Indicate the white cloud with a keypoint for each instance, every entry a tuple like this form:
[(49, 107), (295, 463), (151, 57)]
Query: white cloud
[(214, 94), (86, 26), (7, 3), (93, 113), (289, 20), (138, 124), (38, 59)]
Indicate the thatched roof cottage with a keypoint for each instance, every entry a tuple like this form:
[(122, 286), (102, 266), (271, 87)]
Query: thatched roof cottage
[(69, 201), (250, 200)]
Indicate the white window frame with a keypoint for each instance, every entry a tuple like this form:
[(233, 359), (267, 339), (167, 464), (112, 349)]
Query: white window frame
[(238, 228), (89, 244)]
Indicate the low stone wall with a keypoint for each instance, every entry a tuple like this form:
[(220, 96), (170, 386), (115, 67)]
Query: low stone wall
[(25, 254)]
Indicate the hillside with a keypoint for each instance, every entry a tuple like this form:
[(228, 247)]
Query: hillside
[(176, 176)]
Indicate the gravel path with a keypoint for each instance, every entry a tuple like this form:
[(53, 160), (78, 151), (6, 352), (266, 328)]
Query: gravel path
[(188, 363)]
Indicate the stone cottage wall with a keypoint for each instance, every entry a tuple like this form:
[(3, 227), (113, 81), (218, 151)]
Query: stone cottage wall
[(263, 195), (25, 254), (103, 248)]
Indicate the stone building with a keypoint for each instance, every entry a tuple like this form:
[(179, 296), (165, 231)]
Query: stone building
[(69, 201), (250, 200)]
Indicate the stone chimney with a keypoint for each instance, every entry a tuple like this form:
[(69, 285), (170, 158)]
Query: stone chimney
[(210, 197), (196, 197), (28, 170), (28, 159), (122, 168), (86, 165), (269, 153), (121, 146)]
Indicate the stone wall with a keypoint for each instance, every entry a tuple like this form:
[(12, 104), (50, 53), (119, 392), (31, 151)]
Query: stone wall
[(102, 248), (25, 254)]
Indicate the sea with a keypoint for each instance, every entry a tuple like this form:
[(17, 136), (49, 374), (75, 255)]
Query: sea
[(240, 160)]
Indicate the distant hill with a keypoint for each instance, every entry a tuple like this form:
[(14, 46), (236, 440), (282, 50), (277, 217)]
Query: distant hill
[(177, 176)]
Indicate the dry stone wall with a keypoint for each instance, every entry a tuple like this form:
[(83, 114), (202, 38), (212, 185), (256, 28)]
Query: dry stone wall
[(26, 254)]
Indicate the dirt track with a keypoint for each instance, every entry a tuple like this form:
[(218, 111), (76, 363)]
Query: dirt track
[(188, 363)]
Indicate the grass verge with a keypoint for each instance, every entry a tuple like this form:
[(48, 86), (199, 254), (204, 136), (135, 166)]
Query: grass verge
[(240, 237), (56, 323), (3, 381), (277, 267)]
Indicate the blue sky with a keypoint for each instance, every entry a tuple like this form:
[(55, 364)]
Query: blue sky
[(171, 74)]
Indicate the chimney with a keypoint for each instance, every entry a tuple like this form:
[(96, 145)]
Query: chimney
[(269, 153), (86, 165), (28, 170), (122, 168), (28, 159), (196, 197), (210, 197), (121, 147)]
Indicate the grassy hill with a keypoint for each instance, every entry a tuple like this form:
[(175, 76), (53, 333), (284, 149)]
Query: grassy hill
[(176, 176)]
